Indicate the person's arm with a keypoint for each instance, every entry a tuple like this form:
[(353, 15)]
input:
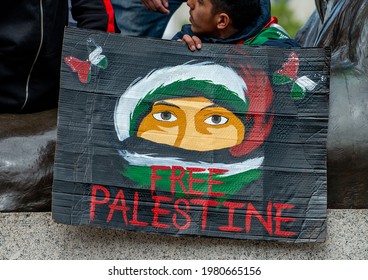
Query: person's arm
[(160, 6), (94, 14)]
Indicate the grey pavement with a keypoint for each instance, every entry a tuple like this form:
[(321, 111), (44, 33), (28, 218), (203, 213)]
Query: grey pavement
[(35, 236)]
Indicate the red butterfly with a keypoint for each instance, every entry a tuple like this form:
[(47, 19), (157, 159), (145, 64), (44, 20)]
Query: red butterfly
[(83, 67)]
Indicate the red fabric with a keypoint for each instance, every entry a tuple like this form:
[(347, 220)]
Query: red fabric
[(110, 12), (272, 21)]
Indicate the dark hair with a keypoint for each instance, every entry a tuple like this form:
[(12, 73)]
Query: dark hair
[(241, 12)]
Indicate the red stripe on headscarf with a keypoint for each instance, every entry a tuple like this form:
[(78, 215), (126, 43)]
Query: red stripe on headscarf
[(260, 96)]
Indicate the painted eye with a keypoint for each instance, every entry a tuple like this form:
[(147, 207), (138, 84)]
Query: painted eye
[(165, 117), (216, 120)]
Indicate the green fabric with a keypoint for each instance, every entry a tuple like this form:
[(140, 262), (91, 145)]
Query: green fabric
[(267, 34)]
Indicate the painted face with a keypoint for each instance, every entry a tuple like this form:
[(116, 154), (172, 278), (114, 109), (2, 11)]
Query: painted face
[(201, 17), (192, 124)]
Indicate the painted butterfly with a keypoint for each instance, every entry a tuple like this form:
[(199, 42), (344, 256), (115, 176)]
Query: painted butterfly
[(83, 67), (289, 74)]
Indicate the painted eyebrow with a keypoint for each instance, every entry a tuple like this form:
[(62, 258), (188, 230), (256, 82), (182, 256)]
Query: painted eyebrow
[(211, 106), (166, 103)]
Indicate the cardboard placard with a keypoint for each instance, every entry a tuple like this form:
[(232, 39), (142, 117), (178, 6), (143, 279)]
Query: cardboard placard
[(229, 141)]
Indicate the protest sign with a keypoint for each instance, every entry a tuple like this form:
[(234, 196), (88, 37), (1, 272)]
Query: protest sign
[(229, 141)]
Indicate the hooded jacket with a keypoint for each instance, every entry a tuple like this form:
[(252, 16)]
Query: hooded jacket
[(31, 34), (264, 28)]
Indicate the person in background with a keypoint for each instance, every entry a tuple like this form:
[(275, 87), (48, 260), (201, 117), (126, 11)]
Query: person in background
[(31, 35), (135, 17), (233, 22)]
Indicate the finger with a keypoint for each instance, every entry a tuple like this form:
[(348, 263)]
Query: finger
[(162, 6), (156, 5), (189, 42), (197, 42), (165, 3), (148, 4)]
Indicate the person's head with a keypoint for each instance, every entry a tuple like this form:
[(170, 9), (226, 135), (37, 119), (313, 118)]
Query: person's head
[(222, 18)]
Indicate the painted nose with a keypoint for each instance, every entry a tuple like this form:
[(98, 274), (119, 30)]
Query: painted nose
[(188, 135)]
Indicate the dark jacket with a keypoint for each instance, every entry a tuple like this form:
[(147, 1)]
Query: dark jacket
[(246, 35), (31, 34)]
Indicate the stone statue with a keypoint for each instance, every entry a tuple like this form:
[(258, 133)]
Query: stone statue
[(27, 150), (342, 25)]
